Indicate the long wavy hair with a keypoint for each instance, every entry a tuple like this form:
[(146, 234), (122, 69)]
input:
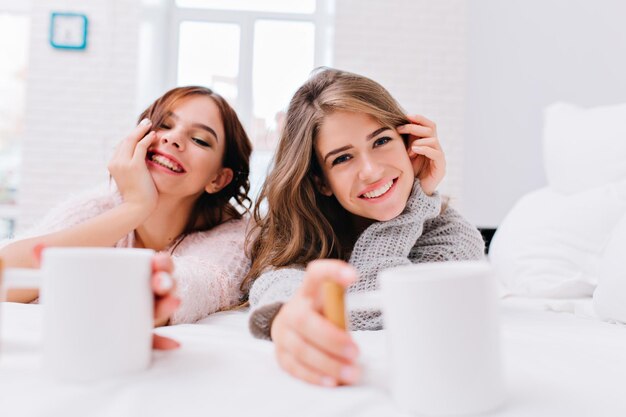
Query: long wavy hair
[(301, 224), (232, 201)]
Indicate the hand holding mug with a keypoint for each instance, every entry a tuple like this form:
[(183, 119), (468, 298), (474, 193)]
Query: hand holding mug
[(429, 161), (308, 346), (165, 302), (163, 286)]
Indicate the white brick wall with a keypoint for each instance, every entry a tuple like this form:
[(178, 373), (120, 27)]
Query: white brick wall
[(78, 104), (417, 50)]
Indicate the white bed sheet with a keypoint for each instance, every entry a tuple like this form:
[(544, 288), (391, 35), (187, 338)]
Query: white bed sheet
[(557, 364)]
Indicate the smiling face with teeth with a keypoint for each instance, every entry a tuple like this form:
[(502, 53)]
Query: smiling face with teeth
[(186, 156), (365, 165)]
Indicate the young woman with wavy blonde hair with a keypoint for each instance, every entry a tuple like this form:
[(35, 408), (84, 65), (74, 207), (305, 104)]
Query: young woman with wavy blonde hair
[(352, 192)]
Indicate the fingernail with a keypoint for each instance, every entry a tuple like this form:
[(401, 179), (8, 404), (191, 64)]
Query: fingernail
[(166, 282), (145, 122), (328, 381), (347, 373), (350, 352), (416, 148), (347, 273)]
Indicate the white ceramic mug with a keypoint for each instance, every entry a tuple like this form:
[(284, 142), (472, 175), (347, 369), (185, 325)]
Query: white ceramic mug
[(442, 326), (97, 307)]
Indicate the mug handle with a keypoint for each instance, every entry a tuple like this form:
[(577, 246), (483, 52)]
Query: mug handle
[(21, 278), (370, 300)]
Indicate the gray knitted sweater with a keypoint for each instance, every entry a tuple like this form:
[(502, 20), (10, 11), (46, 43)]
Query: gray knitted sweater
[(422, 233)]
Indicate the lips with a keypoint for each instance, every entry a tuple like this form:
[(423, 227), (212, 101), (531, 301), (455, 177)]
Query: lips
[(377, 190), (165, 161)]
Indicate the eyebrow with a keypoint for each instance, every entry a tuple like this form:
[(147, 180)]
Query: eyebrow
[(196, 125), (345, 148)]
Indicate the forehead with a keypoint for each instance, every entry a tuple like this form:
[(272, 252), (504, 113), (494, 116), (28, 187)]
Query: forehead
[(341, 128), (199, 109)]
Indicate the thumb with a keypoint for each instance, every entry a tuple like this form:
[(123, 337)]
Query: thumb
[(320, 271), (37, 250)]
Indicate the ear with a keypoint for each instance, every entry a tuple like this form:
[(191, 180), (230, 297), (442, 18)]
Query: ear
[(223, 178), (321, 186)]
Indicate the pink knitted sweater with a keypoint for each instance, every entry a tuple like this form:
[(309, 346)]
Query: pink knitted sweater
[(209, 266)]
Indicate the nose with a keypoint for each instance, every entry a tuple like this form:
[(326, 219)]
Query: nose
[(172, 138), (369, 169)]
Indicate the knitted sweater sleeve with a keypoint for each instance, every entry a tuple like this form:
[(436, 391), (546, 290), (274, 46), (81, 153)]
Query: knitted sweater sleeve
[(386, 245), (209, 268), (267, 295)]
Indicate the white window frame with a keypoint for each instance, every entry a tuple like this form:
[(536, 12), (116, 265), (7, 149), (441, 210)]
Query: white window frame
[(322, 19)]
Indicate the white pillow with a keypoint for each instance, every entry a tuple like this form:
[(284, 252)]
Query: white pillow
[(609, 298), (584, 148), (549, 243)]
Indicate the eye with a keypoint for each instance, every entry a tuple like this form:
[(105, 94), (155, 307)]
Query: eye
[(341, 159), (164, 126), (201, 142), (382, 141)]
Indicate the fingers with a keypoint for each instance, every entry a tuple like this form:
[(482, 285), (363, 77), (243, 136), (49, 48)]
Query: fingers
[(127, 146), (164, 307), (37, 250), (423, 142), (321, 355), (421, 120), (326, 269), (141, 149), (433, 154), (416, 130), (308, 346), (162, 262), (319, 332), (162, 281), (300, 371), (163, 286), (432, 142), (319, 361), (164, 343)]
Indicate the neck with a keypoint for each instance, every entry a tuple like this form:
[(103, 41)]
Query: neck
[(166, 223), (359, 224)]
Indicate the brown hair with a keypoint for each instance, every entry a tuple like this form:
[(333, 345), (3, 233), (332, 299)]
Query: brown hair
[(301, 224), (232, 201)]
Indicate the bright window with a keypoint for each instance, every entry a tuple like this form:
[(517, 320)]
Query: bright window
[(283, 59), (208, 54), (255, 54)]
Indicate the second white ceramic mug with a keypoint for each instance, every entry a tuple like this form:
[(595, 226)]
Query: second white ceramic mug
[(442, 327)]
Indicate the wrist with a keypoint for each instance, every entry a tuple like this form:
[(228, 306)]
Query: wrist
[(136, 213), (262, 320)]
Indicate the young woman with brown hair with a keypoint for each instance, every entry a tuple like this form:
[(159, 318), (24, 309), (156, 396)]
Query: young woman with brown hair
[(352, 192), (181, 186)]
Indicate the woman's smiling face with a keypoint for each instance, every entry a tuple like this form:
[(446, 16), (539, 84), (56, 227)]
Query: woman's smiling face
[(365, 165), (186, 155)]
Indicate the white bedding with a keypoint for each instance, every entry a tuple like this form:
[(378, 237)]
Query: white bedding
[(557, 364)]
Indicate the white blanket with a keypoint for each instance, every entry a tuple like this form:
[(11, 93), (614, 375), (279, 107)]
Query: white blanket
[(557, 364)]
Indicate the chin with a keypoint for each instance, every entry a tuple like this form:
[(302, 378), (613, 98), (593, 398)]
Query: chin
[(387, 214)]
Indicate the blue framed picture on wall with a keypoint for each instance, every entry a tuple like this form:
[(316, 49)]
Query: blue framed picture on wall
[(68, 30)]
